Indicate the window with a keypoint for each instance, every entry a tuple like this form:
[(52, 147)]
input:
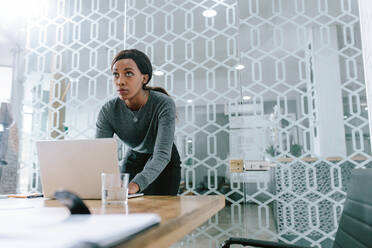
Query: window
[(5, 83)]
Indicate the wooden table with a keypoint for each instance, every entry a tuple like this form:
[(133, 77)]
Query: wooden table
[(179, 214)]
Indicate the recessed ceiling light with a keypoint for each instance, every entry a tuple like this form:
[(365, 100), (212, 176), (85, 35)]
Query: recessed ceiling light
[(189, 101), (209, 13), (158, 73), (189, 141), (239, 67), (246, 98)]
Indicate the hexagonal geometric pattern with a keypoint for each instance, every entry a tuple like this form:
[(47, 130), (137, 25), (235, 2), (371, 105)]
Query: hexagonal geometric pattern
[(298, 99)]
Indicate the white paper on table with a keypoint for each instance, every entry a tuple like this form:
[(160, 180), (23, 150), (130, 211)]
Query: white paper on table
[(105, 230)]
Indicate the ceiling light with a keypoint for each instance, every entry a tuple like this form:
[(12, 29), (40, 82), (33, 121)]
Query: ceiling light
[(239, 67), (189, 101), (209, 13), (246, 98), (189, 141), (366, 108), (158, 73)]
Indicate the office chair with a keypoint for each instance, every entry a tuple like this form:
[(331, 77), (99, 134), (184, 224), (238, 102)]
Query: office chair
[(355, 227)]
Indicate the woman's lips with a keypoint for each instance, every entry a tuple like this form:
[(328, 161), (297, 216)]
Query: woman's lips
[(122, 91)]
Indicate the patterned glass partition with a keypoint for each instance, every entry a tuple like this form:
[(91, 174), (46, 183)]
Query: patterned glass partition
[(296, 101), (304, 71), (69, 50)]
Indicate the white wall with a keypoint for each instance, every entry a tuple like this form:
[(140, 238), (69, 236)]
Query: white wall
[(365, 9)]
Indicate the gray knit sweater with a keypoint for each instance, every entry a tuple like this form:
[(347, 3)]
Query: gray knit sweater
[(152, 133)]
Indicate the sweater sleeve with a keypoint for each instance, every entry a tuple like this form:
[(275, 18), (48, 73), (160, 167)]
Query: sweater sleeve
[(163, 147), (103, 126)]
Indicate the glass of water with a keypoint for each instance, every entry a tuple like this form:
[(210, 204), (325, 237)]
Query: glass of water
[(114, 188)]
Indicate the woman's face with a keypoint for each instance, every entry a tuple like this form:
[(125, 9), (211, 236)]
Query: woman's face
[(128, 78)]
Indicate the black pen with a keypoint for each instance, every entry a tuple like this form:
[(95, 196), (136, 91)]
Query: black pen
[(35, 196)]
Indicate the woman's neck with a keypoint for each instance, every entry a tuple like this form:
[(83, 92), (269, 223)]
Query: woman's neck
[(138, 100)]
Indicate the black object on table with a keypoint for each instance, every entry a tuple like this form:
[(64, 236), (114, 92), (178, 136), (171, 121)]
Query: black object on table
[(72, 202)]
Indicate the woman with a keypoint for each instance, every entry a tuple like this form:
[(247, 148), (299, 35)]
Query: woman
[(143, 118)]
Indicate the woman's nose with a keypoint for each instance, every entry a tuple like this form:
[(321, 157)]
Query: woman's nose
[(120, 81)]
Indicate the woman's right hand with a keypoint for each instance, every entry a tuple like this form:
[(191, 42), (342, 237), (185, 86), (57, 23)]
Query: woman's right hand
[(133, 188)]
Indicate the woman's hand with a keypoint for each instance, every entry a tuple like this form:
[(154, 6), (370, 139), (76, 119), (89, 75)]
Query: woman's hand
[(133, 188)]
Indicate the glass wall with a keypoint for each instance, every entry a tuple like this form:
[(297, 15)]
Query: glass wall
[(276, 82)]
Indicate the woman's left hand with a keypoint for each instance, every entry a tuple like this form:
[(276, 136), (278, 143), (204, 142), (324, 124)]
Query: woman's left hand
[(133, 188)]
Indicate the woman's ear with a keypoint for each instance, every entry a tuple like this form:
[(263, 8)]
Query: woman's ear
[(145, 78)]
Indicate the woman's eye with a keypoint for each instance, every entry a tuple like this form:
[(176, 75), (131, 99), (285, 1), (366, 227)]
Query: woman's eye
[(128, 74), (115, 74)]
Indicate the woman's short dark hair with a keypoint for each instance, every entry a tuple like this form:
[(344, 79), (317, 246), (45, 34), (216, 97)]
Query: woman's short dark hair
[(143, 63)]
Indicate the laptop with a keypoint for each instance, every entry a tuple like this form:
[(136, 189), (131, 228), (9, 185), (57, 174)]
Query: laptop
[(76, 165)]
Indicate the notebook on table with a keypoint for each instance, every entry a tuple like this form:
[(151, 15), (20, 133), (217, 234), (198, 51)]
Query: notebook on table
[(74, 231)]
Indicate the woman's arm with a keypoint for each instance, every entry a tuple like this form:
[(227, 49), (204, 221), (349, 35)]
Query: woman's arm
[(163, 147), (103, 126)]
